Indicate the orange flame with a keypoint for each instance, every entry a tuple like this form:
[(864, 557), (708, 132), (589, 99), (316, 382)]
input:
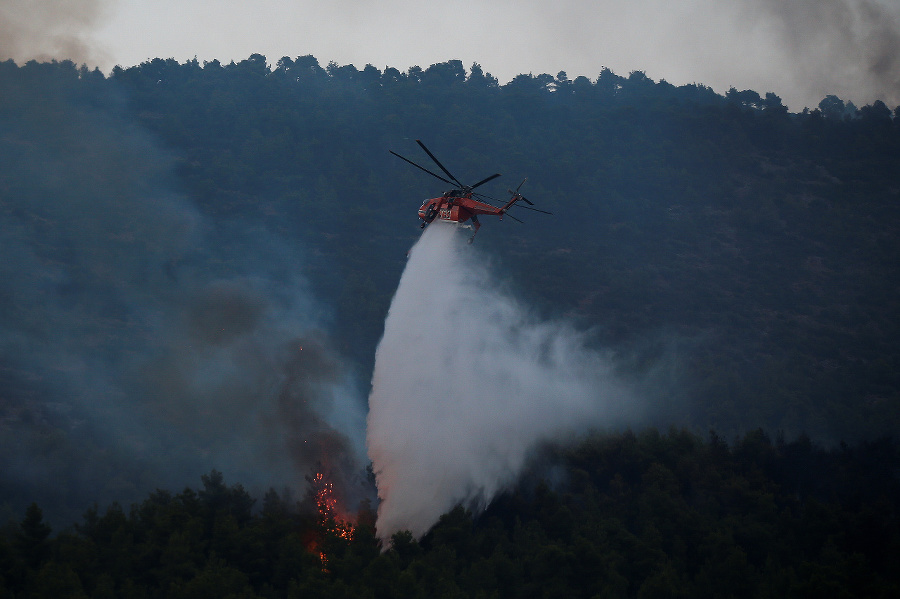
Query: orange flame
[(327, 504)]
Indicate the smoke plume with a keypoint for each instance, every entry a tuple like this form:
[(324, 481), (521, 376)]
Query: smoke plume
[(144, 342), (466, 384), (50, 29), (850, 48)]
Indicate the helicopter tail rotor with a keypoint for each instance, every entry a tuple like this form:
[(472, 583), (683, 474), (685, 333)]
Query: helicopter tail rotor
[(516, 196)]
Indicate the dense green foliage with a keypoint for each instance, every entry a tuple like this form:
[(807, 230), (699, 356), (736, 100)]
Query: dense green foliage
[(627, 516)]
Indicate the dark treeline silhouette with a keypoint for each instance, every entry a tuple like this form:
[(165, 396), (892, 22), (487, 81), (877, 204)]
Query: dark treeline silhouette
[(741, 260), (626, 516)]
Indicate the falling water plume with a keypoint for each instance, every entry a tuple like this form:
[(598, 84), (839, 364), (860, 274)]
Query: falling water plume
[(467, 383)]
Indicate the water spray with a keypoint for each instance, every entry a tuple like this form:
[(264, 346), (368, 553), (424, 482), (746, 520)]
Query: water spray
[(467, 383)]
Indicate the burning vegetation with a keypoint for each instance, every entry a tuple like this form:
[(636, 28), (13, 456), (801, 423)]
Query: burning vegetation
[(332, 522), (332, 519)]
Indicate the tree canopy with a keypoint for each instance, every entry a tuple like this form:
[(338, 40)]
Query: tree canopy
[(621, 515)]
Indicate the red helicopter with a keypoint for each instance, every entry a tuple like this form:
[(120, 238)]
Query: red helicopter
[(458, 205)]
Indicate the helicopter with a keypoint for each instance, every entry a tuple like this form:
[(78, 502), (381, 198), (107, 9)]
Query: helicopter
[(461, 203)]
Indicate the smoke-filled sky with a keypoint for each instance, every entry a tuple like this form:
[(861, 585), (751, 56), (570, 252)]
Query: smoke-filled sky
[(142, 341), (802, 50)]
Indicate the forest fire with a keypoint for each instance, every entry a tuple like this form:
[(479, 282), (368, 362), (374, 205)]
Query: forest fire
[(327, 504), (330, 524)]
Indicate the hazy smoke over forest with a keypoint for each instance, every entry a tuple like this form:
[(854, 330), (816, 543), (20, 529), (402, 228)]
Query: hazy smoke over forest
[(143, 342), (466, 384), (802, 50), (847, 47), (50, 29)]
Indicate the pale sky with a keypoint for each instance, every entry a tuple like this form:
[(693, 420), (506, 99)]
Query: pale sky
[(800, 49)]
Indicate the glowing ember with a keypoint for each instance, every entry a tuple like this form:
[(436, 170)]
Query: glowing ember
[(327, 505), (329, 522)]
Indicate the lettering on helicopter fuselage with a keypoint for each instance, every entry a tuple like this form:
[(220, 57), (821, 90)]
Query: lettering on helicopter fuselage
[(445, 213)]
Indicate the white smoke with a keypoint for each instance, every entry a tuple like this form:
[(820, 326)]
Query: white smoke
[(466, 384)]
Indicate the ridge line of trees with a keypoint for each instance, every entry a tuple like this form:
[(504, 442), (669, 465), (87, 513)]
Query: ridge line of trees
[(607, 85), (629, 515)]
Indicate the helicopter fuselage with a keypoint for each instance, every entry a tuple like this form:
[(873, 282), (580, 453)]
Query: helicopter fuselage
[(456, 208)]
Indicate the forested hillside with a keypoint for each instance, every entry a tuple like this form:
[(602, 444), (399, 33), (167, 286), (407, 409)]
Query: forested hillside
[(740, 262), (753, 250), (627, 516)]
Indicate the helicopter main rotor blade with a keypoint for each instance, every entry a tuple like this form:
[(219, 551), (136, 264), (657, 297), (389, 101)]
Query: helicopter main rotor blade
[(485, 180), (438, 162), (513, 217), (421, 167), (534, 209)]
